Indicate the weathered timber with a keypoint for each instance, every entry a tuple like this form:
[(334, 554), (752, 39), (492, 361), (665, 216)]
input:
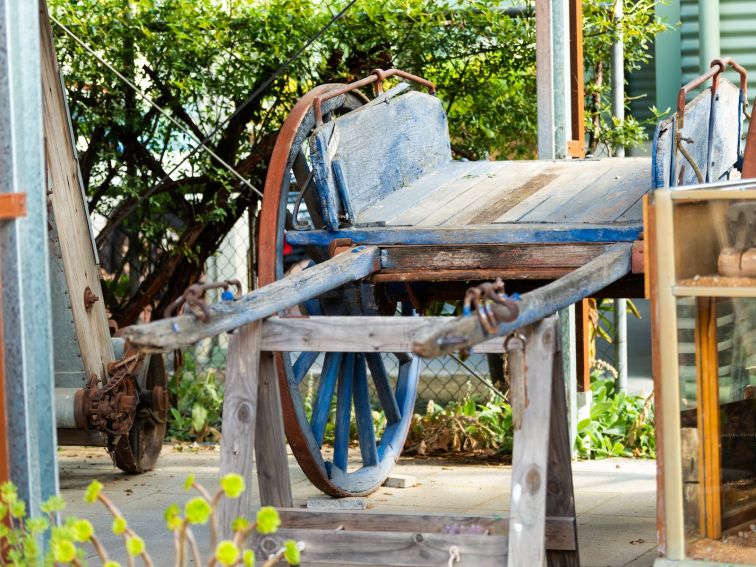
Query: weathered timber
[(489, 257), (510, 233), (184, 330), (74, 259), (464, 332), (560, 531), (270, 447), (530, 453), (239, 420), (560, 496), (398, 549), (353, 334), (376, 150)]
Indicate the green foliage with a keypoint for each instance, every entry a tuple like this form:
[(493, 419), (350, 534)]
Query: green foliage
[(202, 59), (619, 425), (21, 537), (637, 29), (197, 416)]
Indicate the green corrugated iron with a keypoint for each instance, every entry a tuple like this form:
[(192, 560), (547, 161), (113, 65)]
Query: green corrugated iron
[(684, 52)]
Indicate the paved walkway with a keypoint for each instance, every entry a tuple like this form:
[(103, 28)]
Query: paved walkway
[(615, 498)]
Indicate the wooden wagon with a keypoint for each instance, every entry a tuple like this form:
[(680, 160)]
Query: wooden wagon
[(389, 223)]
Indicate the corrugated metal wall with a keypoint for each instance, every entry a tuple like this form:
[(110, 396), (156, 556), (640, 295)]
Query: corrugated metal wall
[(737, 20)]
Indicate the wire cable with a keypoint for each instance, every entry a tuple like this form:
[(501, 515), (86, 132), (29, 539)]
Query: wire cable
[(202, 144), (155, 105)]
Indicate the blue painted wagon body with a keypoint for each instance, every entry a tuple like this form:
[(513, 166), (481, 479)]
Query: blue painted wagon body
[(378, 178)]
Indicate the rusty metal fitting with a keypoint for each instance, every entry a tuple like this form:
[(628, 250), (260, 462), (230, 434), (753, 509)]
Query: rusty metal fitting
[(482, 300), (193, 296), (378, 76), (338, 245), (111, 408), (716, 68), (89, 298), (515, 341)]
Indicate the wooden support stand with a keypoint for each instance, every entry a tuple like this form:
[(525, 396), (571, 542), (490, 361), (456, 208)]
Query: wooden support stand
[(542, 528)]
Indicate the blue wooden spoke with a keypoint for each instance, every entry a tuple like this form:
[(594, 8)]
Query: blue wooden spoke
[(303, 363), (321, 409), (343, 413), (383, 387), (364, 414), (313, 307)]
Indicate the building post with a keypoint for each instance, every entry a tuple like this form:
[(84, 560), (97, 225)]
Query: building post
[(27, 330)]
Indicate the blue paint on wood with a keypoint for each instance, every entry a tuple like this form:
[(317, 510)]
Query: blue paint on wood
[(340, 180), (303, 363), (364, 414), (376, 150), (326, 189), (475, 234), (711, 128), (322, 407), (383, 387), (343, 413)]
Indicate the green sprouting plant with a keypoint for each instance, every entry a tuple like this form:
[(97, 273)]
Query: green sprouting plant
[(20, 536), (199, 408), (620, 425)]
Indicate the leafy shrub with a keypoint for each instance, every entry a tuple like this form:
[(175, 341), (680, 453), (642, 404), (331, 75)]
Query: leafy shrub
[(20, 536), (199, 406), (619, 425)]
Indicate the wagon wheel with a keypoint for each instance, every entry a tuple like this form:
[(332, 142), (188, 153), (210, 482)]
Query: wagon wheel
[(139, 451), (344, 376)]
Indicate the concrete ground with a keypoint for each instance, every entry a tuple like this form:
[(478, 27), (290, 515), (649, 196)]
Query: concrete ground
[(615, 498)]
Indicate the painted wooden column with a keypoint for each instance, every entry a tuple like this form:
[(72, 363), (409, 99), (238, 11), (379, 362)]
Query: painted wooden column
[(24, 256), (668, 55), (708, 26)]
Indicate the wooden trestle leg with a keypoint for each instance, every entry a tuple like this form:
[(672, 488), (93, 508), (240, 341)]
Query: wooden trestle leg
[(252, 419), (560, 497)]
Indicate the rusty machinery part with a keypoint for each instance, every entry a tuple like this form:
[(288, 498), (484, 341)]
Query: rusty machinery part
[(138, 450), (110, 408), (481, 299), (193, 297), (376, 78), (89, 298), (718, 66)]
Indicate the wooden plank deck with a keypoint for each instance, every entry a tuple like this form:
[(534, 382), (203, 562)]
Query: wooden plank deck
[(470, 203)]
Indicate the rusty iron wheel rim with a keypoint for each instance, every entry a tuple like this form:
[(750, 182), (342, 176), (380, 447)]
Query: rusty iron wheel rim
[(305, 448)]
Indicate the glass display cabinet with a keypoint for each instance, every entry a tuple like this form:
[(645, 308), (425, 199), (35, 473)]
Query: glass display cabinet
[(701, 262)]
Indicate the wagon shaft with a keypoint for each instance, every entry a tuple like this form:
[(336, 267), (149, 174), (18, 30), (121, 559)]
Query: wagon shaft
[(465, 332), (224, 317)]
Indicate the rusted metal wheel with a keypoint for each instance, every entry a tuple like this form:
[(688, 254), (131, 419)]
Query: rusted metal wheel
[(344, 378), (139, 451)]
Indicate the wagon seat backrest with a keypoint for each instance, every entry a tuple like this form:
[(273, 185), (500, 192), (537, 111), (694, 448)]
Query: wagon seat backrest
[(711, 136), (387, 144)]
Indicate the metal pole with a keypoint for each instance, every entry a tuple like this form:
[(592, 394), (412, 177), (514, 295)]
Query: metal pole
[(620, 342), (708, 25), (618, 73), (569, 356), (27, 317), (545, 79), (560, 25)]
